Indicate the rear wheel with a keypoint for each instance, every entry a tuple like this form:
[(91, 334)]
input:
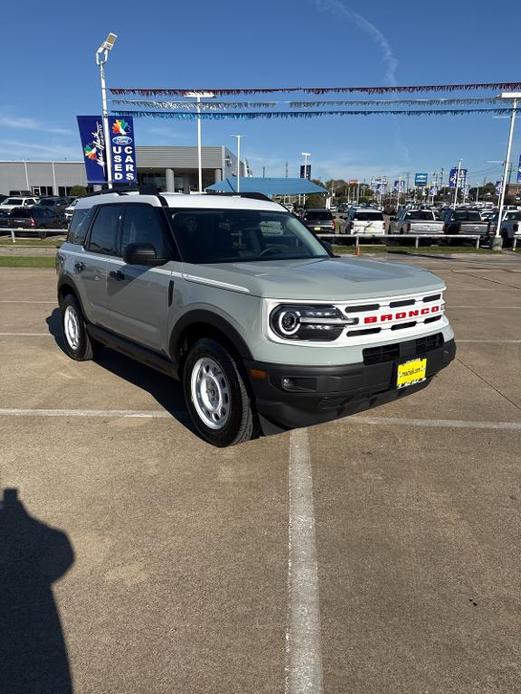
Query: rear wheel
[(216, 395), (78, 344)]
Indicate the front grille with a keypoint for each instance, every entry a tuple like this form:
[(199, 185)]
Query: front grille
[(385, 353), (379, 355), (427, 344)]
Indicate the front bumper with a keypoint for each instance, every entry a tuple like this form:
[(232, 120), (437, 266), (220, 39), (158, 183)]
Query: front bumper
[(318, 394)]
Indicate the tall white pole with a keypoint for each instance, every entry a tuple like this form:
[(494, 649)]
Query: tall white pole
[(457, 185), (505, 172), (305, 173), (238, 163), (102, 59), (199, 147)]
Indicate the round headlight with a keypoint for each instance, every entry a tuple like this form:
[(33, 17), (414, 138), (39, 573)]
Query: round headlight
[(288, 322)]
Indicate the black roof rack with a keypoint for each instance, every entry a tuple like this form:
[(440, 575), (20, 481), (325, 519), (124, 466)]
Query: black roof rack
[(253, 196)]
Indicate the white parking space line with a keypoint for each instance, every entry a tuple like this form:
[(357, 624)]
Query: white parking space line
[(145, 414), (490, 342), (437, 423), (303, 646), (25, 301)]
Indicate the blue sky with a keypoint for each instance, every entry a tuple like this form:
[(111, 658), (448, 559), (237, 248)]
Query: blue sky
[(50, 76)]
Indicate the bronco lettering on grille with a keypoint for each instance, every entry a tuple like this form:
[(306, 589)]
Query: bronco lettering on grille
[(401, 315)]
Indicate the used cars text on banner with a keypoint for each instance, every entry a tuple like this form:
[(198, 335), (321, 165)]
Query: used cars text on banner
[(122, 149), (93, 148)]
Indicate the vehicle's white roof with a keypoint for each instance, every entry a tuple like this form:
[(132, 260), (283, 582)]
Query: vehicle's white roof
[(198, 200)]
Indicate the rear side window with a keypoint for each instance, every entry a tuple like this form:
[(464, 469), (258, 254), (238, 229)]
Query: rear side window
[(103, 237), (369, 217), (79, 225), (142, 224)]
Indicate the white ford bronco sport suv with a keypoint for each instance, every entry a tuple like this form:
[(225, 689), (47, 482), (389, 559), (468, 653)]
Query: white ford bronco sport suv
[(234, 296)]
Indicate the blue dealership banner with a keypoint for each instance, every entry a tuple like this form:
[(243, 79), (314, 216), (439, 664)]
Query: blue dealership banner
[(453, 175), (420, 179), (122, 149), (93, 148), (519, 170)]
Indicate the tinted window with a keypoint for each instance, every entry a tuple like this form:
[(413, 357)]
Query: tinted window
[(424, 215), (318, 214), (22, 212), (48, 203), (105, 229), (142, 224), (473, 217), (79, 225), (223, 236), (369, 216), (13, 201)]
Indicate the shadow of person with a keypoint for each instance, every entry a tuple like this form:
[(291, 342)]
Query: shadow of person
[(166, 391), (33, 655)]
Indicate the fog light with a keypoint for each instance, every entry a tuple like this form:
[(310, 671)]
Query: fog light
[(287, 383)]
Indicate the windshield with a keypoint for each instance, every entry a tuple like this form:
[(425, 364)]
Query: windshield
[(23, 212), (227, 236), (369, 217), (318, 214), (48, 202), (421, 214), (13, 201)]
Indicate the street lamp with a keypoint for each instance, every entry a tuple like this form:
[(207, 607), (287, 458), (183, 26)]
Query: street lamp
[(198, 96), (306, 156), (102, 55), (497, 241), (238, 161)]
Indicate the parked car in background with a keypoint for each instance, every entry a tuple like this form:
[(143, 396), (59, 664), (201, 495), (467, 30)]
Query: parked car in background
[(461, 221), (365, 221), (10, 203), (417, 222), (319, 221), (69, 210), (36, 218), (56, 203), (510, 226)]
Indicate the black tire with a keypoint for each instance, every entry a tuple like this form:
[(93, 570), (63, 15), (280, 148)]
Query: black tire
[(85, 347), (42, 234), (240, 425), (507, 241)]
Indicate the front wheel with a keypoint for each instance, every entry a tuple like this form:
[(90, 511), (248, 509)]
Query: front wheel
[(216, 395)]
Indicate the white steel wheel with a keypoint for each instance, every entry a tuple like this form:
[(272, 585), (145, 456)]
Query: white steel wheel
[(72, 327), (210, 391)]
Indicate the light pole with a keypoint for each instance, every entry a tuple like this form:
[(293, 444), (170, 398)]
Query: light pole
[(497, 241), (238, 161), (102, 55), (198, 96), (306, 156)]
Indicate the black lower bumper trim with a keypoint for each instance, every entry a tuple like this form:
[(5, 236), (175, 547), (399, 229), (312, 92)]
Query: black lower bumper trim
[(295, 396)]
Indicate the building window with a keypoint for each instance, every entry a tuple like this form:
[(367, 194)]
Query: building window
[(41, 191)]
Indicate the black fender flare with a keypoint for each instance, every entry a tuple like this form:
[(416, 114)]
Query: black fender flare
[(201, 317)]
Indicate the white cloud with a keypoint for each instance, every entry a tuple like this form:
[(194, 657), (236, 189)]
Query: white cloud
[(30, 150), (388, 57), (21, 123)]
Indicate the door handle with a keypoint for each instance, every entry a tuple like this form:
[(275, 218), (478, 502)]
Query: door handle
[(79, 266), (116, 275)]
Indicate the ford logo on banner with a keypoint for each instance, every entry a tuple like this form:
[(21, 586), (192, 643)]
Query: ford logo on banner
[(123, 151), (122, 140)]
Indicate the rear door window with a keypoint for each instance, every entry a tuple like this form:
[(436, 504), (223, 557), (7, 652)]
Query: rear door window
[(79, 225), (103, 237), (143, 224)]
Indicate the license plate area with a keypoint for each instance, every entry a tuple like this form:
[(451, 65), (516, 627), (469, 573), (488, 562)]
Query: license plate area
[(411, 372)]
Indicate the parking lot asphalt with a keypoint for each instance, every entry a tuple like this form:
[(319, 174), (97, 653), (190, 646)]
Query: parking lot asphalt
[(377, 553)]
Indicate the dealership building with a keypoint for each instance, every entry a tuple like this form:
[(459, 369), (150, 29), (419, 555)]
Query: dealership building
[(167, 168)]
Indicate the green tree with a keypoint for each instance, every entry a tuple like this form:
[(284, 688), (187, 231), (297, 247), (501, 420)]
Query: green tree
[(78, 191)]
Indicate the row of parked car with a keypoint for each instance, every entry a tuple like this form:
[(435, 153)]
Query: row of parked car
[(423, 221), (36, 214)]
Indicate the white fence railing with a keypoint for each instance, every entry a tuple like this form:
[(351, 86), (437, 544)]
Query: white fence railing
[(12, 231), (402, 237)]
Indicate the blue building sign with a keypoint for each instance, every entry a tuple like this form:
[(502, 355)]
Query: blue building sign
[(420, 179)]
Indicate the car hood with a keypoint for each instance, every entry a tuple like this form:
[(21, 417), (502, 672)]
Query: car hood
[(339, 279)]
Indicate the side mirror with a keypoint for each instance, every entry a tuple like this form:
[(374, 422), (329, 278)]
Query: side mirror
[(142, 254)]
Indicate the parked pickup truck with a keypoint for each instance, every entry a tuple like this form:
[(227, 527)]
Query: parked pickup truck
[(464, 222), (416, 222), (232, 295), (510, 226)]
